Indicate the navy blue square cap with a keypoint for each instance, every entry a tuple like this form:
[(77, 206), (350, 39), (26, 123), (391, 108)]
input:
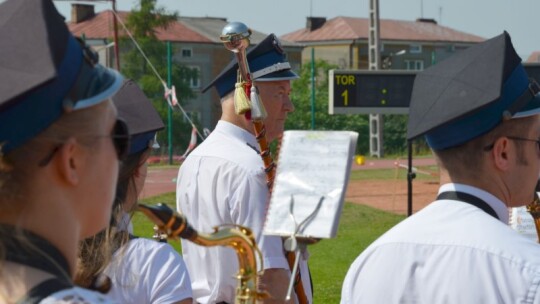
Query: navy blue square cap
[(470, 93), (267, 62), (141, 117), (45, 71)]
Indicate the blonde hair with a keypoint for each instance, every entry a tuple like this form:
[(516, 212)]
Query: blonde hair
[(23, 161)]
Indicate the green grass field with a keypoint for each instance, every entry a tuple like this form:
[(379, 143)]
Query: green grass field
[(330, 259), (390, 174)]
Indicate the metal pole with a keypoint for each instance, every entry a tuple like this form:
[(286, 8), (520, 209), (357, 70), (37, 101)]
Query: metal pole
[(410, 176), (375, 120), (169, 110), (116, 47), (312, 88)]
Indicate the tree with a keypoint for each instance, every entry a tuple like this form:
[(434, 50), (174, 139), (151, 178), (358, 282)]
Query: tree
[(300, 119), (142, 23), (395, 134)]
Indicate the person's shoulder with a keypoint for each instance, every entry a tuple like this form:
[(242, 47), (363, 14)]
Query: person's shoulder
[(142, 243), (151, 248), (221, 154), (76, 295)]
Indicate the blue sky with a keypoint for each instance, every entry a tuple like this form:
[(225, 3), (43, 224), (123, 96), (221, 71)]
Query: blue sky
[(485, 18)]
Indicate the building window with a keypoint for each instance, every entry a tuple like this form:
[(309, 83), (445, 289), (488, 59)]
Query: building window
[(195, 116), (186, 53), (194, 80), (415, 49), (415, 65)]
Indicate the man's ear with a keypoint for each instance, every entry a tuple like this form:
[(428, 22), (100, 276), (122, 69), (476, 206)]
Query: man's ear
[(69, 161), (503, 154)]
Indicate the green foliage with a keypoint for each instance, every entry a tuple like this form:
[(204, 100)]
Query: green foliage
[(395, 174), (143, 227), (145, 21), (394, 128), (395, 134), (330, 259), (300, 119), (142, 23)]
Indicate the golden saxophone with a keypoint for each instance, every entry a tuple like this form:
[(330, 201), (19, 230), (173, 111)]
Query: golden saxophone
[(239, 238)]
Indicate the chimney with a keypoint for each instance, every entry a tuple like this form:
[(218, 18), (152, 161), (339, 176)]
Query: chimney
[(313, 23), (426, 20), (81, 12)]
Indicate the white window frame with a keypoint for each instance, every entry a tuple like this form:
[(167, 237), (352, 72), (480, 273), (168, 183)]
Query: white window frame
[(414, 65), (415, 48), (195, 83)]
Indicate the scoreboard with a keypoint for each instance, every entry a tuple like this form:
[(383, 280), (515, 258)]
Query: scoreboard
[(378, 92), (370, 92)]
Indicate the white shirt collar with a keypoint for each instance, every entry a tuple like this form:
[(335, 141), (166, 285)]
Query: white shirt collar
[(500, 208), (237, 132)]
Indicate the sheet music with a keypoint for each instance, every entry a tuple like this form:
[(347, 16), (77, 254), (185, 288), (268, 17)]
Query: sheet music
[(312, 165)]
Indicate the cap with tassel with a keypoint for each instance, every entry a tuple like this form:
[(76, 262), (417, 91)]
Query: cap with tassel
[(258, 112), (241, 101)]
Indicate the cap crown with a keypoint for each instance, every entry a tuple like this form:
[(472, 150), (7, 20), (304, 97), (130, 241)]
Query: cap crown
[(267, 62), (137, 111), (467, 94)]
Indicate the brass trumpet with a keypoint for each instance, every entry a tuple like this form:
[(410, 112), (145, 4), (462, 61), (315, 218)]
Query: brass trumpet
[(239, 238)]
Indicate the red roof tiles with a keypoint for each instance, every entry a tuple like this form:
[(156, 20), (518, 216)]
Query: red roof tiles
[(101, 26), (349, 28), (534, 57)]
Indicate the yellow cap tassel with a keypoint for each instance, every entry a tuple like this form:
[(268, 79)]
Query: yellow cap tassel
[(241, 101)]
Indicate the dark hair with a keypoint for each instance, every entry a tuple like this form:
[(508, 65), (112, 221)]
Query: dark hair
[(465, 158)]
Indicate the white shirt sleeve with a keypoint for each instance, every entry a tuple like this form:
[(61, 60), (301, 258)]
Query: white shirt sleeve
[(248, 205), (77, 295), (146, 271), (171, 281)]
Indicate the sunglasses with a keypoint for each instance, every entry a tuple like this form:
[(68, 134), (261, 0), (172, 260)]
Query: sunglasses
[(537, 141), (119, 135)]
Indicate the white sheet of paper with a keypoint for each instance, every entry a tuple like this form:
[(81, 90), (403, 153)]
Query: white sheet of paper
[(311, 165), (522, 221)]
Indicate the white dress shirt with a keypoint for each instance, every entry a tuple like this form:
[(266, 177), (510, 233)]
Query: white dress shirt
[(223, 182), (449, 252)]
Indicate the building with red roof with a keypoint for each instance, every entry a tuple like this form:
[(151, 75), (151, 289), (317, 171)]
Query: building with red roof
[(412, 45)]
